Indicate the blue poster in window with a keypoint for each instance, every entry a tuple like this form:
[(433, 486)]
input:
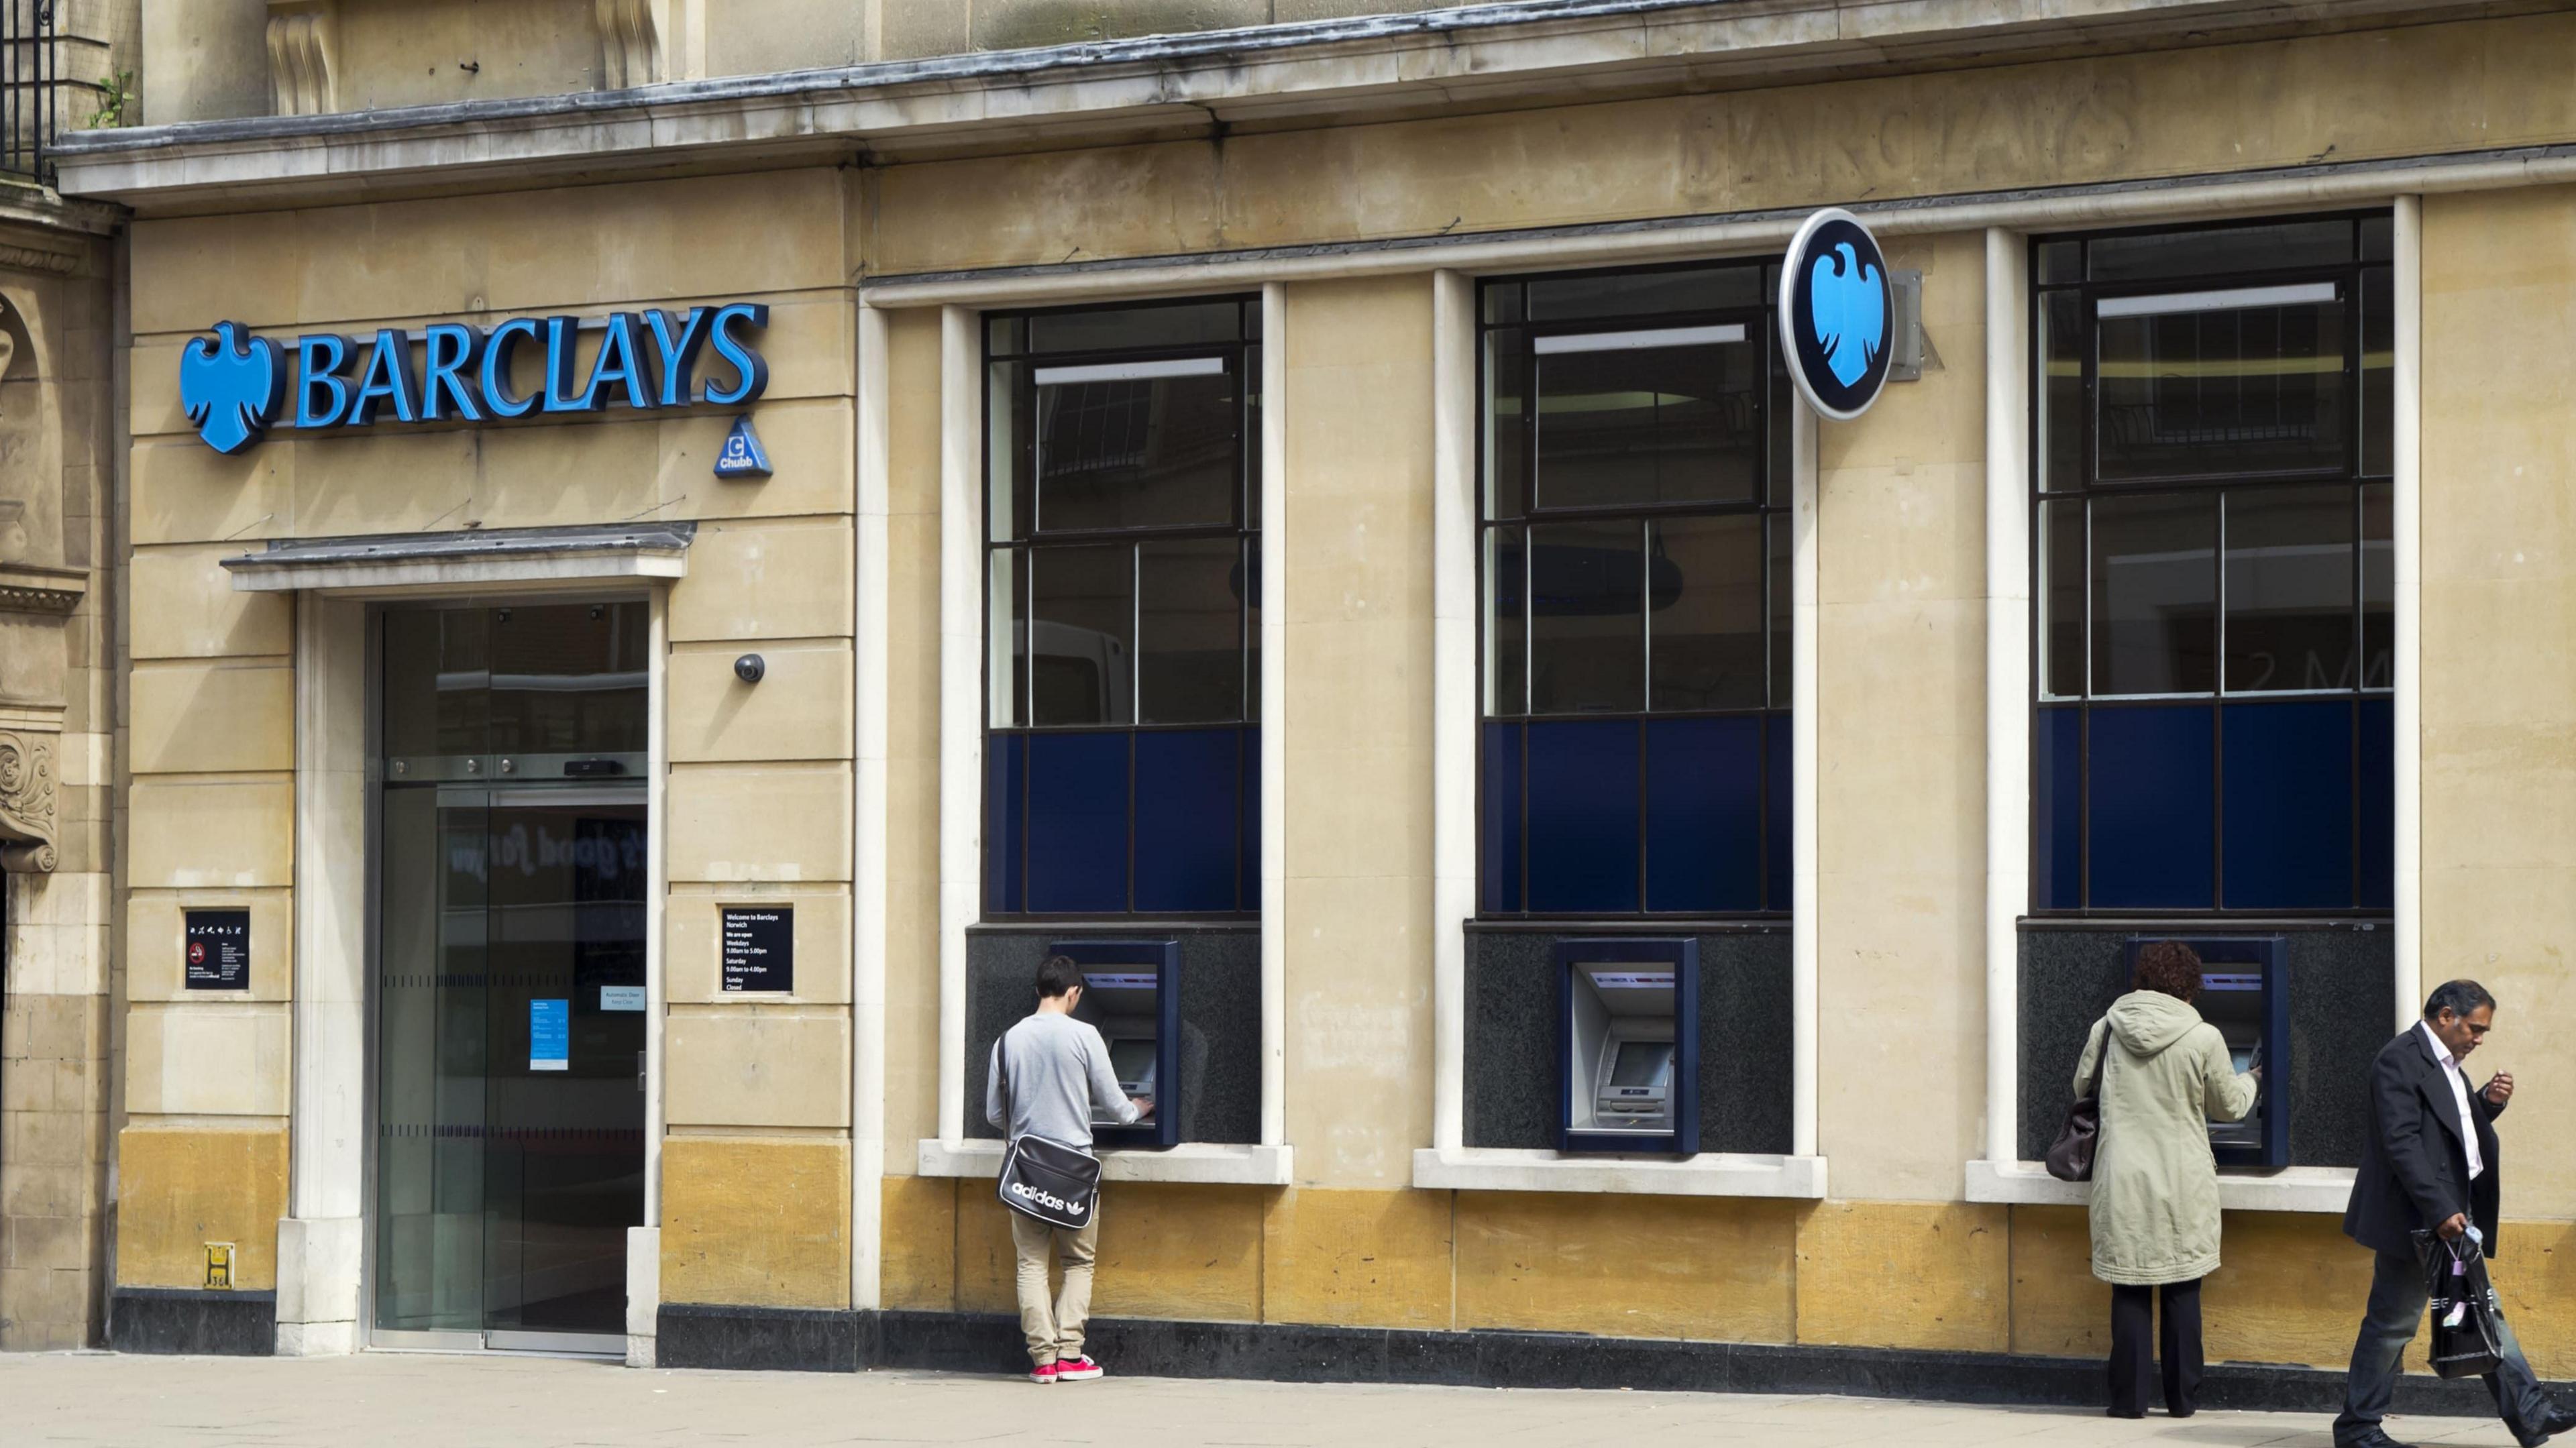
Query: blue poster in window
[(550, 1035)]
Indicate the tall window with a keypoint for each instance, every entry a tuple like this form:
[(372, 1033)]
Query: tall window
[(1634, 755), (2212, 552), (1123, 618)]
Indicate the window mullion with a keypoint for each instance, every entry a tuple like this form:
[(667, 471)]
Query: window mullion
[(1646, 617), (1135, 636), (2219, 557)]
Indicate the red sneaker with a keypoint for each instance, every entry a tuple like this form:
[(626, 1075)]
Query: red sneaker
[(1045, 1373), (1077, 1370)]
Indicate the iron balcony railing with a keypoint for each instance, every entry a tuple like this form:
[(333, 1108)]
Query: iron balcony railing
[(30, 87)]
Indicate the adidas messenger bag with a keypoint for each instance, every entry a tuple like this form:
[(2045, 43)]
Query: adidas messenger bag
[(1050, 1182)]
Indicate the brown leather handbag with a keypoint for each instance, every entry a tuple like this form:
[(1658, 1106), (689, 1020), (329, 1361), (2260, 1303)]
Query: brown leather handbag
[(2070, 1157)]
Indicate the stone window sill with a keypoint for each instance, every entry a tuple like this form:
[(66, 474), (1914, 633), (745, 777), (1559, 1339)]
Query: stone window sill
[(1709, 1174), (1203, 1163), (2320, 1189)]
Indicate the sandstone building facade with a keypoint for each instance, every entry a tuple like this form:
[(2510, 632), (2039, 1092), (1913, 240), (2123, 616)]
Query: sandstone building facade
[(770, 519)]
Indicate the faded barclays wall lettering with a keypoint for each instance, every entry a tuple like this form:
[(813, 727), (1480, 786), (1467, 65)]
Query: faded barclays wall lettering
[(234, 386)]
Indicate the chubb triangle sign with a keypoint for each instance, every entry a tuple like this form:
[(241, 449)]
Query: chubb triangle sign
[(1836, 314)]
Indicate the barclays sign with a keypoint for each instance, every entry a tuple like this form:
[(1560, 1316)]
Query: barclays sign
[(234, 386)]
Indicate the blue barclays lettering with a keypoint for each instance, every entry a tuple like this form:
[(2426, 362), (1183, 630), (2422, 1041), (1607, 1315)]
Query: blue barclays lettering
[(498, 347), (678, 353), (454, 351), (385, 377), (751, 371), (617, 363), (646, 360), (318, 360), (563, 367)]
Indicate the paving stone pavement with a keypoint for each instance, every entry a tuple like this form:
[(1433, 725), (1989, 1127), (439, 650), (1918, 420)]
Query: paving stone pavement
[(421, 1400)]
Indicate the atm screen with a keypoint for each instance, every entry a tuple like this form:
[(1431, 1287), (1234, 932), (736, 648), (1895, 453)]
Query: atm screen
[(1642, 1063), (1131, 1060)]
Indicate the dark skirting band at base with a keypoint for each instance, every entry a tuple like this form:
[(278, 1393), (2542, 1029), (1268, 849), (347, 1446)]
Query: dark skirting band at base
[(752, 1337), (182, 1320)]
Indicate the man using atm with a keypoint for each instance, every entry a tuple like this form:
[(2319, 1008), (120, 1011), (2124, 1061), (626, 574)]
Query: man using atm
[(1048, 1074)]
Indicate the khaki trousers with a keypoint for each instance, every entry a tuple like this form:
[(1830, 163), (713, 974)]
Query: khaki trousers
[(1054, 1331)]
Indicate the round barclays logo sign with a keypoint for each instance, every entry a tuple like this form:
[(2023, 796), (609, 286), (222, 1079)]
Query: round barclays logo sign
[(1836, 314)]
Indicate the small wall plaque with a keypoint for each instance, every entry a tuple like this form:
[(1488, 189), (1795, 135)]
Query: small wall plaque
[(759, 949), (218, 949), (219, 1266)]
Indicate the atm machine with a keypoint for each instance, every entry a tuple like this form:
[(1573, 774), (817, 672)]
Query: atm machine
[(1628, 1045), (1132, 994), (2245, 992)]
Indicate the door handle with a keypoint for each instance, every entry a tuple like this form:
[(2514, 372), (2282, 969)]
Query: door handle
[(639, 1073)]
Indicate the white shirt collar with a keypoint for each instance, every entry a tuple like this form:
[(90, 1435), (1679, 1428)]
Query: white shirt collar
[(2441, 1053)]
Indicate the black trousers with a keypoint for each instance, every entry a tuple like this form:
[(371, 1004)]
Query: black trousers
[(2133, 1368)]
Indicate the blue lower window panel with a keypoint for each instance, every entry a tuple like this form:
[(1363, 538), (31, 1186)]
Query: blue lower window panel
[(2152, 836), (1498, 820), (2287, 796), (1619, 816), (1161, 821), (1189, 819), (1006, 774), (1704, 782), (2253, 805), (1077, 823), (1583, 816), (2377, 806), (2057, 809)]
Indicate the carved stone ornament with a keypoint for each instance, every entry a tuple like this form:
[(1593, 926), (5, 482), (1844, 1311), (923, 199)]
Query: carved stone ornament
[(26, 803), (34, 259), (630, 44), (304, 56)]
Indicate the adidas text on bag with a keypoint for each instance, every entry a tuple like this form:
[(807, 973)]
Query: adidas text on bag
[(1050, 1182)]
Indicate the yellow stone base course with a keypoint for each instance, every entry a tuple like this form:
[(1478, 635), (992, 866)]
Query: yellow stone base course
[(1929, 1276)]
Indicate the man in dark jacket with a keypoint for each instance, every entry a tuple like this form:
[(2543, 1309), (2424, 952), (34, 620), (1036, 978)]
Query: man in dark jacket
[(2430, 1164)]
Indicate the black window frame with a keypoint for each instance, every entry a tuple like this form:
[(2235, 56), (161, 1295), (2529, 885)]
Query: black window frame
[(1244, 358), (1773, 503), (2352, 278)]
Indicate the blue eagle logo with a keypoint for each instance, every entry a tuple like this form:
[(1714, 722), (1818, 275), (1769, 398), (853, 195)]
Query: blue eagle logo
[(1850, 308), (232, 385)]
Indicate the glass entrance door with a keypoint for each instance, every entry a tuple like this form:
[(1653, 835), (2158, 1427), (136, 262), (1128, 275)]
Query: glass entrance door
[(510, 992)]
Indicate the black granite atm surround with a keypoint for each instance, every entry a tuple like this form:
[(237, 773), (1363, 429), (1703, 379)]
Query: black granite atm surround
[(2343, 1008), (1744, 1080), (1220, 1015)]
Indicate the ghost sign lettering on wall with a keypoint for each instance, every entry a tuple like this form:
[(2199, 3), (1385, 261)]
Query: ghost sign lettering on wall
[(1836, 311), (234, 386)]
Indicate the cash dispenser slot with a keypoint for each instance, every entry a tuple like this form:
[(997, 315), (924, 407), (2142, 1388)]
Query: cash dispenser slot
[(2245, 992), (1131, 995), (1628, 1045)]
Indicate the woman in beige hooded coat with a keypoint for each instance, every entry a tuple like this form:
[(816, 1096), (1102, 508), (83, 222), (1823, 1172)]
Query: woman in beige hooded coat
[(2155, 1184)]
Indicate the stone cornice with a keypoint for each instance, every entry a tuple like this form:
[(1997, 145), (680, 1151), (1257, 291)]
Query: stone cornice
[(28, 211), (1339, 71), (26, 588)]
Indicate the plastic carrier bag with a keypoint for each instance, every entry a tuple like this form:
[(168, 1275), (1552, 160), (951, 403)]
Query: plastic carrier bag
[(2468, 1337)]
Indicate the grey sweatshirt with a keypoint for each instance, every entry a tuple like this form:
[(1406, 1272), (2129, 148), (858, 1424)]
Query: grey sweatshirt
[(1059, 1068)]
